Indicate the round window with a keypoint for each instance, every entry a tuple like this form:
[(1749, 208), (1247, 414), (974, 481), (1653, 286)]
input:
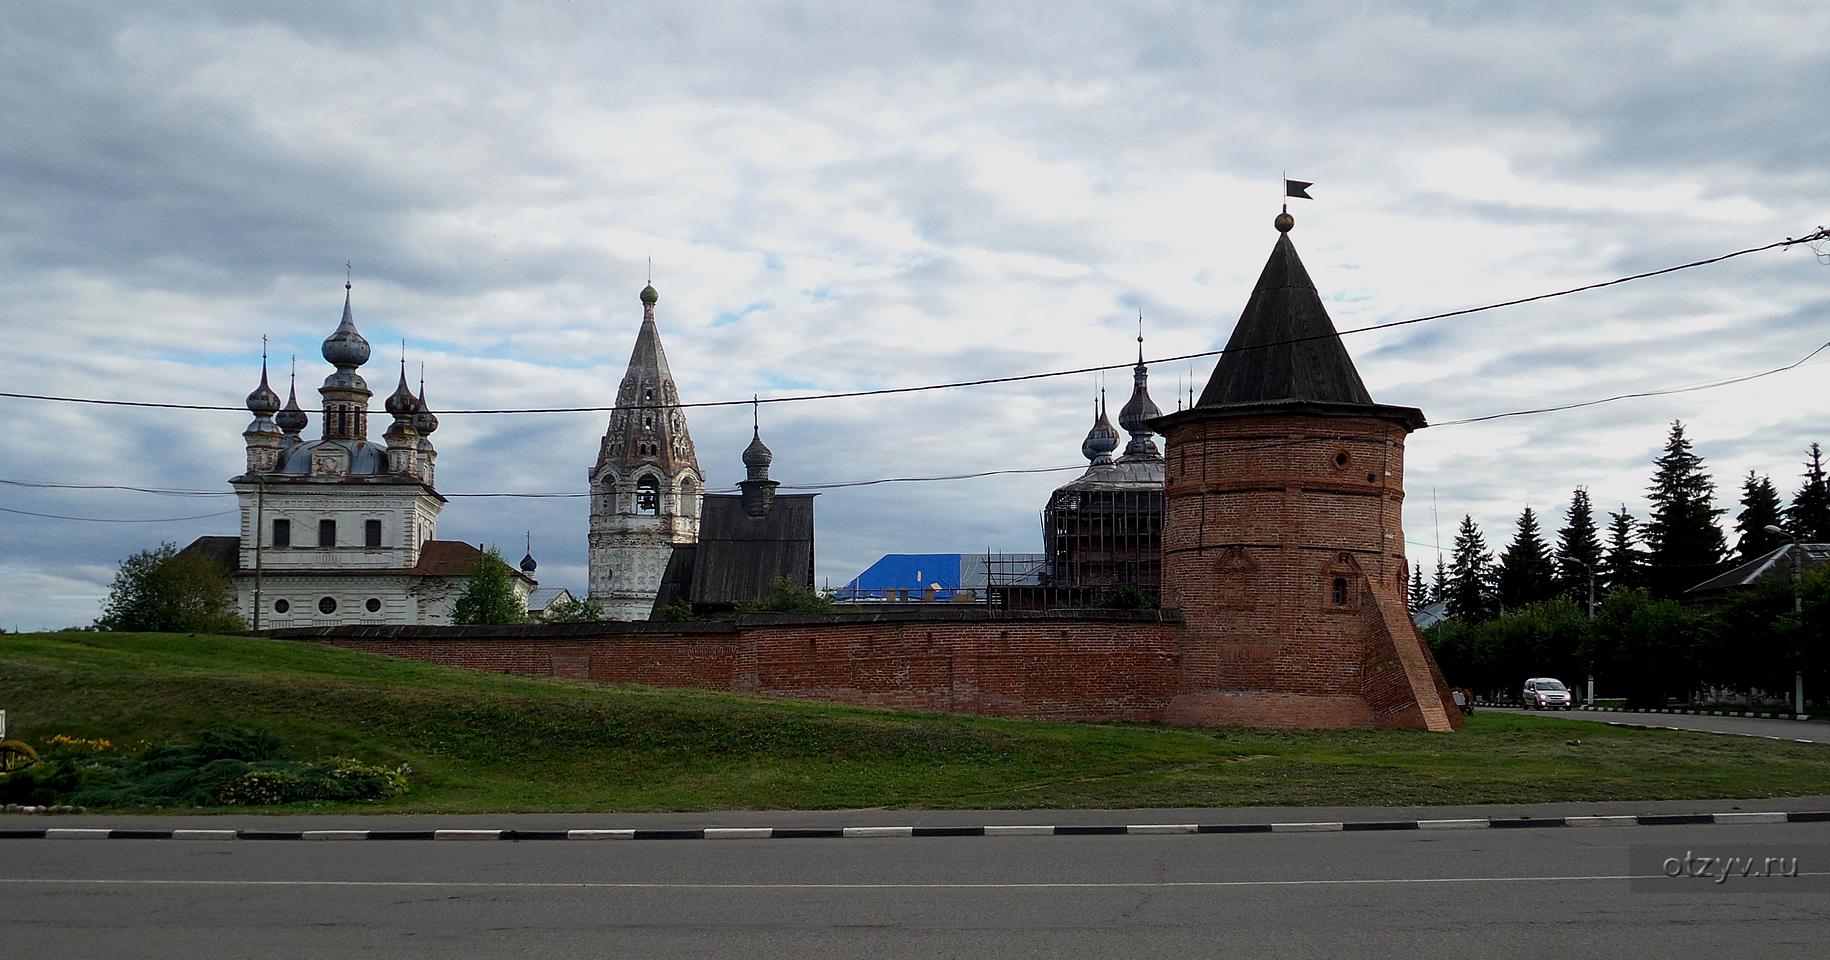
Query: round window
[(327, 605), (374, 605), (1340, 459), (281, 606)]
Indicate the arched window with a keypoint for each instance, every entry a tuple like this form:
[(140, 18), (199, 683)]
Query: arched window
[(648, 496), (689, 498)]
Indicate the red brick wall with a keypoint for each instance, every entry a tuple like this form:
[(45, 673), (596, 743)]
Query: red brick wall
[(1047, 666)]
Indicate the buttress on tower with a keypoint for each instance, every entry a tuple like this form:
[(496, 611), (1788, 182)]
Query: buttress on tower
[(646, 485)]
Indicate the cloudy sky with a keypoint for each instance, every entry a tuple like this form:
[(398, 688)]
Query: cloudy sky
[(843, 196)]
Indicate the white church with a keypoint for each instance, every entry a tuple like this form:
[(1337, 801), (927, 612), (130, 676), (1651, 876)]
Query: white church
[(341, 529)]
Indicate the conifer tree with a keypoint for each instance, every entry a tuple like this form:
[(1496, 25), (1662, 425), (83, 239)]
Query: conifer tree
[(1684, 546), (1420, 594), (1439, 587), (1759, 510), (1525, 568), (1578, 548), (1470, 587), (1809, 516), (1623, 567)]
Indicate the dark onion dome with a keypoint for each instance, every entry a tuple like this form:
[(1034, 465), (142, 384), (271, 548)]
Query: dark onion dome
[(423, 420), (757, 454), (1102, 439), (292, 418), (649, 296), (263, 402), (528, 566), (345, 347), (402, 402)]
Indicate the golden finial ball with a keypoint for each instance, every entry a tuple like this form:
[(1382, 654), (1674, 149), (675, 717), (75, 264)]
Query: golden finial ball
[(1284, 222)]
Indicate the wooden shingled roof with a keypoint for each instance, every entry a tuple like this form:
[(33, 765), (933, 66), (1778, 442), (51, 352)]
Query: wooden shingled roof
[(1261, 364)]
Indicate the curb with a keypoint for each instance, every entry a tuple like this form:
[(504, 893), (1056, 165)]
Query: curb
[(998, 830)]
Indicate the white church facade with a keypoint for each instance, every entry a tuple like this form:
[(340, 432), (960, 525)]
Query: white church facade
[(340, 529)]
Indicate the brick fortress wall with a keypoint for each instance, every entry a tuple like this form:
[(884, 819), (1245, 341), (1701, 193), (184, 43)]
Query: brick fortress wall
[(1108, 666)]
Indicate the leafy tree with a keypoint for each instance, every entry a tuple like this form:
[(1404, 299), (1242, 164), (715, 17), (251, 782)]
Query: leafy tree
[(1684, 544), (570, 609), (1759, 510), (164, 591), (1809, 516), (1624, 565), (1470, 587), (1578, 548), (1420, 594), (1650, 647), (1439, 587), (488, 597), (1525, 568)]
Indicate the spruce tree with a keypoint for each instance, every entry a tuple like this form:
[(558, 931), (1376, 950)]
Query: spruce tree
[(1684, 546), (1759, 510), (1420, 594), (1623, 567), (1578, 548), (1809, 516), (1470, 587), (1525, 568), (1439, 587)]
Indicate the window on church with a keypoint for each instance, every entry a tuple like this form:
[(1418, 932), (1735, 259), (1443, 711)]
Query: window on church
[(327, 533), (1340, 591), (371, 533), (282, 533), (327, 606), (648, 496)]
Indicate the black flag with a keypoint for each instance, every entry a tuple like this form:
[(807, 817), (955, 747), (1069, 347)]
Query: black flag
[(1297, 188)]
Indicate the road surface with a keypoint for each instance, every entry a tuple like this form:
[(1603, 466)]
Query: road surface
[(1487, 893), (1802, 730)]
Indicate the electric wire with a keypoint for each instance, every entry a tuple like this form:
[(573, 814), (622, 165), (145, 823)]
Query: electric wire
[(1819, 235)]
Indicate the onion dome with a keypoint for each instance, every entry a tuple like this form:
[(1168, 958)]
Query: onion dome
[(757, 454), (423, 420), (649, 295), (1140, 409), (402, 403), (345, 347), (291, 419), (1102, 439), (263, 402), (528, 566)]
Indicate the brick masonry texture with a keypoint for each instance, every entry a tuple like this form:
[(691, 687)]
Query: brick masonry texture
[(1284, 569)]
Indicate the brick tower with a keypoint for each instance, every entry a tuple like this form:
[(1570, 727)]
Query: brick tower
[(1283, 543)]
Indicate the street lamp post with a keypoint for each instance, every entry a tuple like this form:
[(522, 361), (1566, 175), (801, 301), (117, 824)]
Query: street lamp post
[(1798, 611)]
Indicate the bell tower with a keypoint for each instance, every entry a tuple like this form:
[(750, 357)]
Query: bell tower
[(646, 484)]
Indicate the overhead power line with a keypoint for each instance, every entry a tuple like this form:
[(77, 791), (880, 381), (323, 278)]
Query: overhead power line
[(58, 516), (1820, 235), (842, 484)]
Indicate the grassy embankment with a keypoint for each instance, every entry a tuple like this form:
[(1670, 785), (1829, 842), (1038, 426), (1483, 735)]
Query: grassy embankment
[(486, 742)]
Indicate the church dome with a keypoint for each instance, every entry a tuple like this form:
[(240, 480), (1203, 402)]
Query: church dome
[(650, 296), (1102, 439), (757, 454), (263, 402), (345, 347), (291, 419), (402, 402), (528, 566)]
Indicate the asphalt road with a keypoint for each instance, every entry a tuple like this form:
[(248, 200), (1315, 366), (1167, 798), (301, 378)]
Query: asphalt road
[(1738, 726), (1490, 893)]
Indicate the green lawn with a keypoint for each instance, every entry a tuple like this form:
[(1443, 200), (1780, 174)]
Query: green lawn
[(486, 742)]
